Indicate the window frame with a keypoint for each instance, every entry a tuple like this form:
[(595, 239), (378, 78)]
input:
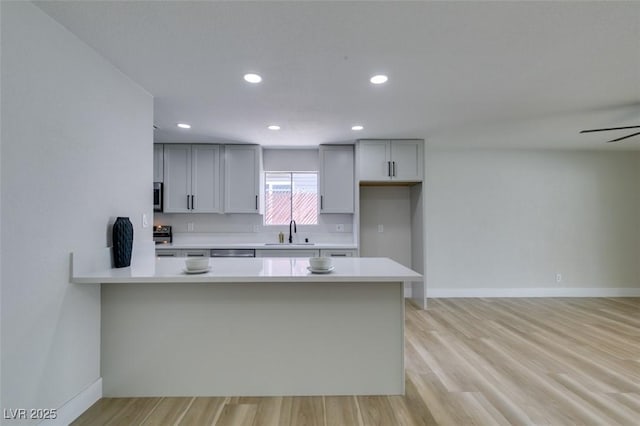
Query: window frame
[(291, 173)]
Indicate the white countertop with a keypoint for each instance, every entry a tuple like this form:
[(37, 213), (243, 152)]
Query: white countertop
[(257, 246), (225, 270)]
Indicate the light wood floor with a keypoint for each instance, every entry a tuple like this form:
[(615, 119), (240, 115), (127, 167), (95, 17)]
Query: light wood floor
[(468, 362)]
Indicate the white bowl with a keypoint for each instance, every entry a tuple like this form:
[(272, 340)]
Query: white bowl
[(320, 262), (196, 263)]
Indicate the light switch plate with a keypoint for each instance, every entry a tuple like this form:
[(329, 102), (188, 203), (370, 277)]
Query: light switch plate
[(145, 220)]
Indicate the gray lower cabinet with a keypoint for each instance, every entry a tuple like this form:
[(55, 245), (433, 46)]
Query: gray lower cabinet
[(262, 253), (182, 253), (168, 253), (196, 253), (337, 253), (288, 253)]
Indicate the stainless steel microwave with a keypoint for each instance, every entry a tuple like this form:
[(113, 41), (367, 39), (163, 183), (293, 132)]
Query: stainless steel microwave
[(157, 196)]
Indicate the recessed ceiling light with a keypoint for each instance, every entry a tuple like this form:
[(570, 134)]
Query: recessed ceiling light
[(379, 79), (184, 125), (273, 127), (253, 78), (357, 128)]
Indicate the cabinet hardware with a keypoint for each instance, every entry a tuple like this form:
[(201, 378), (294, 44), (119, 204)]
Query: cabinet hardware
[(338, 255), (394, 168), (389, 168), (193, 200), (256, 202), (321, 204), (188, 208)]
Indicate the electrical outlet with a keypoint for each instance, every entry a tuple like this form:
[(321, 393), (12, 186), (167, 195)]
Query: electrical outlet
[(255, 227), (190, 227), (381, 228), (558, 278), (340, 227)]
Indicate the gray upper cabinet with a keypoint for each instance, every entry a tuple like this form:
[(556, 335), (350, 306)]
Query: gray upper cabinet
[(192, 178), (391, 160), (407, 160), (205, 179), (242, 177), (337, 177), (158, 163)]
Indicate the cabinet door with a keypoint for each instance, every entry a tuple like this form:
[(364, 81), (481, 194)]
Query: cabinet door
[(205, 178), (336, 179), (158, 163), (168, 253), (195, 253), (177, 183), (337, 253), (407, 160), (374, 160), (287, 253), (242, 179)]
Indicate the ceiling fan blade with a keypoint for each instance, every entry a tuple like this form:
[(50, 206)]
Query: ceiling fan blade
[(624, 137), (609, 128)]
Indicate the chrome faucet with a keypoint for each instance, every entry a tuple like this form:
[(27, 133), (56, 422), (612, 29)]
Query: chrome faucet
[(293, 222)]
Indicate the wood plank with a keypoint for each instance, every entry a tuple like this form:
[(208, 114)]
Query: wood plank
[(203, 411), (302, 411), (341, 410), (268, 411), (237, 415), (168, 411), (103, 411), (136, 412), (376, 411)]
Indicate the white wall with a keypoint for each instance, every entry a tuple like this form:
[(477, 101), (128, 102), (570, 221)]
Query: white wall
[(1, 362), (76, 153), (515, 218)]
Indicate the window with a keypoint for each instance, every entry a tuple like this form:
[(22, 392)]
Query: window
[(290, 195)]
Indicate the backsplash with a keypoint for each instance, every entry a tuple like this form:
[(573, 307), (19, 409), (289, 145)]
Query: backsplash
[(249, 228)]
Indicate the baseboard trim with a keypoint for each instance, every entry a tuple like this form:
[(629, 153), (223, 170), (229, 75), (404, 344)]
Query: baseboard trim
[(77, 405), (435, 293)]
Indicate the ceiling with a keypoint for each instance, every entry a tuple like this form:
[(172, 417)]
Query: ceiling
[(472, 74)]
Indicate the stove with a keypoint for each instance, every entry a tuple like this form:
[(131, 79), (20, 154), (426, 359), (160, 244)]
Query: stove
[(162, 234)]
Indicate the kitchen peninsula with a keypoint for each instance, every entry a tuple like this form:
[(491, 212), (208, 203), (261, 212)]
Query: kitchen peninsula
[(251, 327)]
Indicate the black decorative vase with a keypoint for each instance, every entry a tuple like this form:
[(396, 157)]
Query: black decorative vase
[(122, 237)]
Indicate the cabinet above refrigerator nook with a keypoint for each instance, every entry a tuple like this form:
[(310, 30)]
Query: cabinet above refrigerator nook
[(390, 160)]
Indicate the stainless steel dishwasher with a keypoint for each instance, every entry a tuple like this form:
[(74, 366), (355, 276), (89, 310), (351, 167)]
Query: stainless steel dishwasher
[(233, 253)]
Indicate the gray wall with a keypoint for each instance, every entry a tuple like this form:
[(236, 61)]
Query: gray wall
[(296, 160), (516, 218), (390, 207), (76, 152)]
